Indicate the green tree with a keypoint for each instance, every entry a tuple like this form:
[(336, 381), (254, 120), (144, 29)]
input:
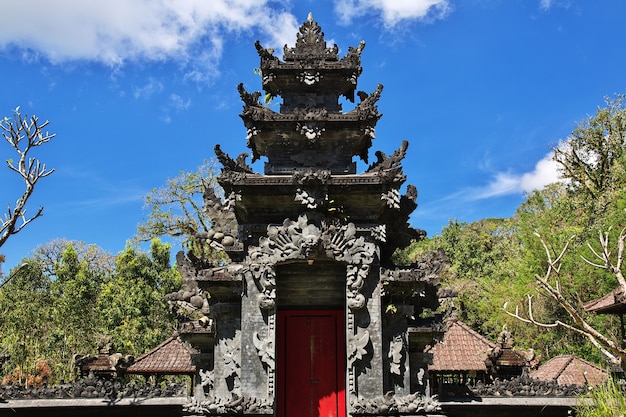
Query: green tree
[(580, 323), (132, 305), (50, 254), (592, 157), (176, 209), (74, 292), (25, 308), (568, 215), (63, 304)]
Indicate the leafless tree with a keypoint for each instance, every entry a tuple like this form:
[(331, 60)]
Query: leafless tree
[(24, 134), (551, 285)]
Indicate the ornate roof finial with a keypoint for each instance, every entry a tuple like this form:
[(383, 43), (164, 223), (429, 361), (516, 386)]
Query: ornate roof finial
[(310, 44)]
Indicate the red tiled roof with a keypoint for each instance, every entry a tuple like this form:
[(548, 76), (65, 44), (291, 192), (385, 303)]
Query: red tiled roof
[(462, 349), (570, 370), (511, 357), (611, 303), (100, 363), (171, 357)]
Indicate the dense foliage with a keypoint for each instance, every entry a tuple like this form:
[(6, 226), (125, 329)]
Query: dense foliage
[(493, 262), (70, 295), (178, 210)]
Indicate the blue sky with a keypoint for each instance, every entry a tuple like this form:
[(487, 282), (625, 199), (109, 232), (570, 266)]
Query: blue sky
[(139, 90)]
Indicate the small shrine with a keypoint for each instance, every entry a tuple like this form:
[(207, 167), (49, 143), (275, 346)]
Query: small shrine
[(310, 317), (464, 357)]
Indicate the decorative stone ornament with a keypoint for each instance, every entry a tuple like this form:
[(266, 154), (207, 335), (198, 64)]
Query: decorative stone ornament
[(309, 240)]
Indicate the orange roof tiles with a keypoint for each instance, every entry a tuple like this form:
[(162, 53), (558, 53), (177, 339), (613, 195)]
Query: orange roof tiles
[(171, 357), (570, 370), (462, 349), (612, 303)]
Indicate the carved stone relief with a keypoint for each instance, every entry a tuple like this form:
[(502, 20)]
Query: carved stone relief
[(392, 198), (265, 349), (396, 353), (311, 131), (301, 240), (356, 346), (389, 404), (309, 77)]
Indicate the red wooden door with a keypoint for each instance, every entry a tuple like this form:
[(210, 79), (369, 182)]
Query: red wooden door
[(311, 364)]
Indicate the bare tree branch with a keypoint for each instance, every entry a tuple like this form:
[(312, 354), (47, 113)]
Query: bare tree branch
[(609, 348), (23, 134)]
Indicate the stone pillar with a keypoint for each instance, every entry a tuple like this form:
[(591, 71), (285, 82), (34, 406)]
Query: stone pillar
[(227, 352), (364, 341), (397, 371), (257, 346)]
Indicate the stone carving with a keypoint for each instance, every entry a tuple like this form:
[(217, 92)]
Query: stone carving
[(301, 240), (355, 278), (311, 177), (250, 133), (314, 193), (265, 280), (390, 168), (105, 364), (367, 108), (94, 387), (207, 379), (354, 55), (311, 113), (396, 353), (392, 198), (249, 99), (253, 109), (310, 43), (310, 145), (357, 346), (379, 232), (309, 77), (525, 386), (189, 303), (389, 404), (236, 405), (311, 131), (232, 354), (311, 199), (265, 54), (225, 228), (397, 219), (238, 165), (265, 348), (311, 158)]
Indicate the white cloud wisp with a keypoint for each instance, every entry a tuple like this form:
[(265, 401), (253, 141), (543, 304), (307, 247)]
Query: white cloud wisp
[(544, 173), (394, 11)]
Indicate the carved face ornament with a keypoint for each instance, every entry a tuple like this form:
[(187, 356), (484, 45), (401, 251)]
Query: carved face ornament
[(309, 77)]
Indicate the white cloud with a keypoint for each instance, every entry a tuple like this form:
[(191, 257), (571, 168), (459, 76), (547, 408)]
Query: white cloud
[(152, 87), (116, 31), (177, 103), (546, 5), (393, 11), (544, 173)]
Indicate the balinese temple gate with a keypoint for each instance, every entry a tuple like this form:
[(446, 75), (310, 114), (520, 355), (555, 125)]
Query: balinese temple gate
[(311, 317)]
